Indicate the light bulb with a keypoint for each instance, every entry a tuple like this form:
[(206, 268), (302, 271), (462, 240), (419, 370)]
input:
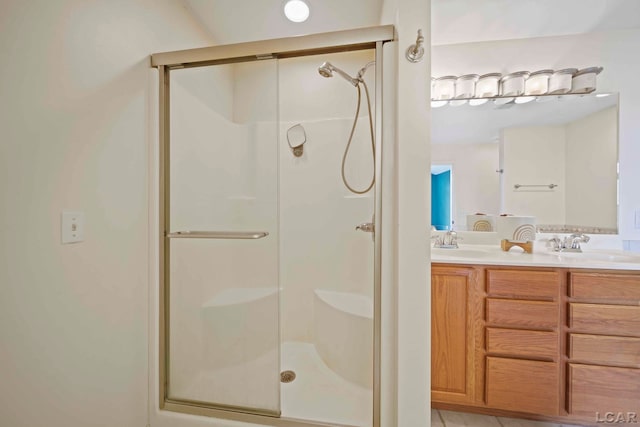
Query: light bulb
[(457, 102), (476, 102), (438, 104), (502, 101), (296, 11), (524, 99)]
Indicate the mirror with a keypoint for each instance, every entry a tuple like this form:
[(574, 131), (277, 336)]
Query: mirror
[(556, 160)]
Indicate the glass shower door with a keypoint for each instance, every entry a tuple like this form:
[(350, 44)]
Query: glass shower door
[(223, 341)]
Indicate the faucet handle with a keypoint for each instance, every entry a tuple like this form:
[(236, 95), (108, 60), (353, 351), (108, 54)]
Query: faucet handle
[(555, 243), (575, 239)]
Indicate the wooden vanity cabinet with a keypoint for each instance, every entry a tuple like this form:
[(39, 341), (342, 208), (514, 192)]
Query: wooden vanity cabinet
[(543, 343), (456, 311), (522, 340), (603, 353)]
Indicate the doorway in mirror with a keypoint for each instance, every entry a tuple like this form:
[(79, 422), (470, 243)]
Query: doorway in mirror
[(441, 197)]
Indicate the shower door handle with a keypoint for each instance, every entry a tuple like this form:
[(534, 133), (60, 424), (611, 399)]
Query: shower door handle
[(367, 227), (217, 235)]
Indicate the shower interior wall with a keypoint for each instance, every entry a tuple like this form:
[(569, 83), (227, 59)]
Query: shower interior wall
[(235, 119)]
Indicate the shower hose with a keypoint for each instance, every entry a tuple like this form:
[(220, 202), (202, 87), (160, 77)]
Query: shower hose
[(353, 129)]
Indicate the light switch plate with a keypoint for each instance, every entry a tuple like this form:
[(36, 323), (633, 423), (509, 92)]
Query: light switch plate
[(72, 227)]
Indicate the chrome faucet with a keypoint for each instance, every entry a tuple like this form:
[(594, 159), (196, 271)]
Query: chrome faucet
[(448, 240), (573, 241), (570, 243)]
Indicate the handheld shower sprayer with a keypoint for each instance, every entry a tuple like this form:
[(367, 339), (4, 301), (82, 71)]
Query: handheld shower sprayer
[(326, 70)]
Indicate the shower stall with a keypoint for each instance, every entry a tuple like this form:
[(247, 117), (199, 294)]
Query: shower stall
[(270, 194)]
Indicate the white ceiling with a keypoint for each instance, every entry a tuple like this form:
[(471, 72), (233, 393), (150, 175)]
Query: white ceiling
[(464, 21), (453, 21)]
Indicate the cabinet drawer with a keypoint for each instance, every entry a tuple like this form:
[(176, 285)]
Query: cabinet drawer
[(597, 390), (523, 385), (605, 350), (605, 319), (523, 284), (517, 342), (605, 286), (522, 314)]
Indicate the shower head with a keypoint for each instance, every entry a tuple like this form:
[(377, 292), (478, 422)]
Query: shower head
[(327, 69)]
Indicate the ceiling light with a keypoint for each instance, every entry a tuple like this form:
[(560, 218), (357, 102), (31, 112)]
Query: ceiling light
[(476, 102), (602, 95), (296, 11), (524, 99), (502, 101), (457, 102)]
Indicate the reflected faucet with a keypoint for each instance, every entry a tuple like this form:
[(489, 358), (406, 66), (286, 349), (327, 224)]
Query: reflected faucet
[(448, 240)]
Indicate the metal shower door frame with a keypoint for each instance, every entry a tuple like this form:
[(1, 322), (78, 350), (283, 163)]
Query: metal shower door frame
[(315, 44)]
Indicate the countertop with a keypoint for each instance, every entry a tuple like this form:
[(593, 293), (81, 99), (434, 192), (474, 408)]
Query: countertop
[(608, 259)]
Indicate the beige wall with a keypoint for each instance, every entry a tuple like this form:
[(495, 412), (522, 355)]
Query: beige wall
[(75, 87), (535, 156), (591, 161)]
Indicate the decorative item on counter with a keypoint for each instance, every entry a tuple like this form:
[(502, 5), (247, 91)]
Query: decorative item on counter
[(516, 230), (560, 81), (481, 222), (584, 81)]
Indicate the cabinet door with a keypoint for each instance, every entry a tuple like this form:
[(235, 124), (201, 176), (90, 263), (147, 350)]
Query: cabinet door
[(597, 390), (455, 312), (523, 385)]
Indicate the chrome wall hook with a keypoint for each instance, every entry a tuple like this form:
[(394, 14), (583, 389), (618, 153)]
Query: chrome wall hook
[(415, 52), (296, 137)]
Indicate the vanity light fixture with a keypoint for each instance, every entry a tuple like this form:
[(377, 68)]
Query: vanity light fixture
[(457, 102), (520, 87), (538, 83), (503, 101), (584, 81), (488, 85), (524, 99), (444, 88), (478, 101), (513, 84), (602, 95), (296, 11), (466, 86), (560, 81)]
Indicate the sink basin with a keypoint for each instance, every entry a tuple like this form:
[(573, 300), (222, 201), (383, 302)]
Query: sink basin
[(598, 256)]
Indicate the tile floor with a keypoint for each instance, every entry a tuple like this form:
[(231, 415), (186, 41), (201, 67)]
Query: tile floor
[(440, 418)]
